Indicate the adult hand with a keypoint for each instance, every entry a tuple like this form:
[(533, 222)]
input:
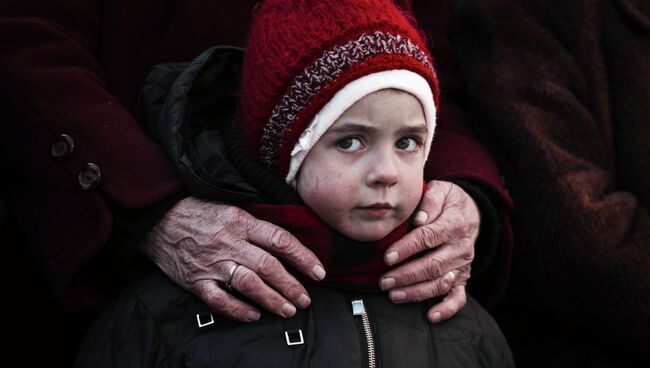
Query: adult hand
[(201, 245), (448, 223)]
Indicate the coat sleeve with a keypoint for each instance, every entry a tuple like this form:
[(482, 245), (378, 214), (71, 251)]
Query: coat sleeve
[(457, 155), (52, 83), (582, 240)]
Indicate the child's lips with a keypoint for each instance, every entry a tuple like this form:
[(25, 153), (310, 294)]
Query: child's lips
[(376, 209)]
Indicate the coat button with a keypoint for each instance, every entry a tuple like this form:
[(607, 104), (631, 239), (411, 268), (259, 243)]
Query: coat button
[(89, 176), (62, 147)]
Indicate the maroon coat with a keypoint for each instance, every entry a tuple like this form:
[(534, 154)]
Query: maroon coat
[(75, 67), (565, 86)]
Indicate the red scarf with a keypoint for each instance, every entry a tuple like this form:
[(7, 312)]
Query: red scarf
[(349, 264)]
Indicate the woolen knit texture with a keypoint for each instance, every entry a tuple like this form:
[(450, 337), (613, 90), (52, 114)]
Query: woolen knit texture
[(288, 37), (564, 87)]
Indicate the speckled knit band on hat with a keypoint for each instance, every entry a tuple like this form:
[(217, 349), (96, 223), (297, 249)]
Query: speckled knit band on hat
[(301, 53)]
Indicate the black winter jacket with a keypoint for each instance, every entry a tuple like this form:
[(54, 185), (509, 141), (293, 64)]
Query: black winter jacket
[(157, 324)]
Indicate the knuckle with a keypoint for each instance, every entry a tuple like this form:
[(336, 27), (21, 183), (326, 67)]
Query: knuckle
[(247, 282), (419, 294), (434, 290), (210, 297), (238, 217), (293, 291), (268, 266), (409, 276), (462, 279), (467, 271), (458, 225), (218, 302), (434, 267), (281, 240), (428, 237), (468, 256)]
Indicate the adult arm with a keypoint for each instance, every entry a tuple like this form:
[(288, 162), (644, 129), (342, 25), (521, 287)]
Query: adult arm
[(52, 84), (583, 232)]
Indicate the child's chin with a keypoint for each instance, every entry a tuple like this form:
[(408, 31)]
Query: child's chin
[(368, 236)]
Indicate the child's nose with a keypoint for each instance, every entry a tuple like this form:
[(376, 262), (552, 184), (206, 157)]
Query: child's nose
[(383, 171)]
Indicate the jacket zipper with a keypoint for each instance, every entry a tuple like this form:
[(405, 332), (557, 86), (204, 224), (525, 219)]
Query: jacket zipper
[(358, 309)]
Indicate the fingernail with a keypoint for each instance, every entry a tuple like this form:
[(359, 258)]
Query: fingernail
[(387, 283), (304, 301), (288, 310), (253, 316), (451, 276), (391, 257), (397, 295), (421, 217), (319, 272), (436, 317)]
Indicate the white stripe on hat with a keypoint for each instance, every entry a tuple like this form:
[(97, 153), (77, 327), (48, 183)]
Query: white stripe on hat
[(354, 91)]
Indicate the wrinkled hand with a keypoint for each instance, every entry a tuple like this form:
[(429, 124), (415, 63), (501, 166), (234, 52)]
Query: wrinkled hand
[(448, 224), (198, 243)]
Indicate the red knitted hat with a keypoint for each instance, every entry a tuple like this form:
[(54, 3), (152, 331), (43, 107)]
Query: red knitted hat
[(300, 53)]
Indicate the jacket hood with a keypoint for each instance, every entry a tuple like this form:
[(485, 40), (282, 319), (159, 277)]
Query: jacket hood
[(184, 107)]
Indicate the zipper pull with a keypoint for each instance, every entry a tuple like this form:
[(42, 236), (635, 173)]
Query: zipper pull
[(358, 308)]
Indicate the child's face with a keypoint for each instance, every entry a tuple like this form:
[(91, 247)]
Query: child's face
[(364, 176)]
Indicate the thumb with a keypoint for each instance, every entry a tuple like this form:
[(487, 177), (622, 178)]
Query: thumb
[(432, 202)]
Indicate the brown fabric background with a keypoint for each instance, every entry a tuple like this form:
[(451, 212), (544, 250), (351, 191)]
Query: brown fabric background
[(565, 90)]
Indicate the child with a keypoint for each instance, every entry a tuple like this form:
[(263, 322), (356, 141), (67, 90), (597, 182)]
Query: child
[(339, 100)]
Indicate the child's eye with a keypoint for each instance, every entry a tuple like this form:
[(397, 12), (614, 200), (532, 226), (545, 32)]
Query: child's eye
[(408, 143), (349, 144)]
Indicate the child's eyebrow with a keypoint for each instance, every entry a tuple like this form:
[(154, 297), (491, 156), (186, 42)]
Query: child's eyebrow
[(362, 128), (353, 128), (414, 130)]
